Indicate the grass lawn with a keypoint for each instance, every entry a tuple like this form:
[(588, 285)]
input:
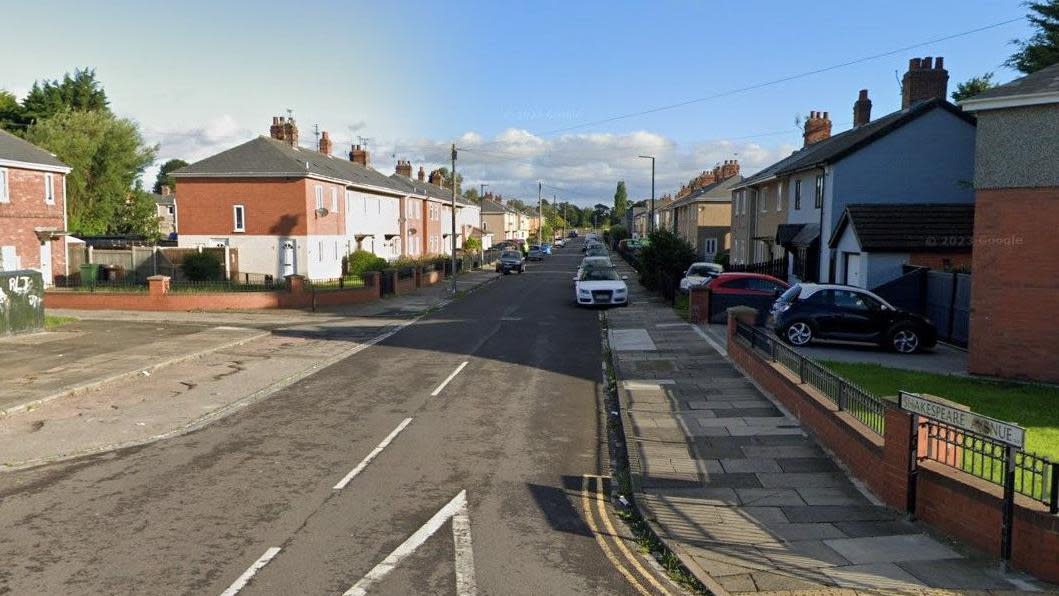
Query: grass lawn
[(1035, 407), (52, 322)]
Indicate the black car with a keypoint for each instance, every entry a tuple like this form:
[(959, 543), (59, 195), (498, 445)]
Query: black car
[(510, 260), (811, 311)]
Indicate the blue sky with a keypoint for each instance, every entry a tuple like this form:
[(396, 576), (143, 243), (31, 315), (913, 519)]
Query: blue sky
[(413, 76)]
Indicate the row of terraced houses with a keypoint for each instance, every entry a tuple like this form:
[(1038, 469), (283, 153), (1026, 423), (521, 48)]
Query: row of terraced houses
[(971, 190)]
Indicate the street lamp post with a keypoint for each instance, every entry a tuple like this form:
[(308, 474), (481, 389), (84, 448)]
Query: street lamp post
[(651, 222)]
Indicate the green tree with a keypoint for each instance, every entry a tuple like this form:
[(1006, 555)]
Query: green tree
[(586, 217), (12, 116), (621, 203), (972, 87), (1042, 48), (446, 179), (77, 92), (471, 194), (664, 259), (600, 214), (108, 156), (164, 178)]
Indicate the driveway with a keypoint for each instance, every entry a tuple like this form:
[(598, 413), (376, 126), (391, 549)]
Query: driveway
[(943, 359)]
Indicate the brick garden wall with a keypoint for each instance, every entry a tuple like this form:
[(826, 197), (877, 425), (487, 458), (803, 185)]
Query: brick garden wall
[(951, 501)]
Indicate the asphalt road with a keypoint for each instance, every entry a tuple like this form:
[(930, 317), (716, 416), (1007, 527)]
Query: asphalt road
[(515, 431)]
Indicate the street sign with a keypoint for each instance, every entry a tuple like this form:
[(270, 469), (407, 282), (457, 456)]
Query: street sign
[(1003, 432)]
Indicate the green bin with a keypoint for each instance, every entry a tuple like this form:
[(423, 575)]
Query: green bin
[(89, 274)]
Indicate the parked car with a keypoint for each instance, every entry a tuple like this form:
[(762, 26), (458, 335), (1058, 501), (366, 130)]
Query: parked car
[(698, 274), (572, 234), (510, 261), (601, 286), (597, 251), (546, 249), (593, 263), (559, 243), (755, 290), (807, 312), (535, 253)]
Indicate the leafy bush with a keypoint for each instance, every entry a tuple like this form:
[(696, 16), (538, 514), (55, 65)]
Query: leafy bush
[(664, 259), (202, 266), (472, 244), (362, 261), (616, 234)]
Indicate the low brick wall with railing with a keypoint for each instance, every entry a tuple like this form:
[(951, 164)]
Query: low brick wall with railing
[(956, 489), (161, 294)]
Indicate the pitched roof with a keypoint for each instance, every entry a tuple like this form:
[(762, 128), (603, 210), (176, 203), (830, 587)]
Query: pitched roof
[(718, 192), (267, 157), (13, 148), (491, 206), (944, 227), (1043, 85), (846, 142), (160, 199)]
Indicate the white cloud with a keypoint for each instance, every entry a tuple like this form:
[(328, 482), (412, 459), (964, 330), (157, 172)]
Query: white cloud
[(581, 168)]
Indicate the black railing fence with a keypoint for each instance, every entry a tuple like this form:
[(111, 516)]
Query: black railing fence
[(776, 268), (862, 405), (1035, 476)]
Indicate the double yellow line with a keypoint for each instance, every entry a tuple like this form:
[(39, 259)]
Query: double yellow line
[(630, 567)]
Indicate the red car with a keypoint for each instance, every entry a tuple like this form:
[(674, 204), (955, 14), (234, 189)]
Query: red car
[(755, 290)]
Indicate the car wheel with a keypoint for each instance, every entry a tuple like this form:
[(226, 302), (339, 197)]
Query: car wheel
[(904, 340), (798, 333)]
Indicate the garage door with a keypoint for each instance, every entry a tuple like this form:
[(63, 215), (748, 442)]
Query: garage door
[(853, 269)]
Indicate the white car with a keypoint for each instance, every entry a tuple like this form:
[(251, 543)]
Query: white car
[(559, 242), (601, 287), (698, 274)]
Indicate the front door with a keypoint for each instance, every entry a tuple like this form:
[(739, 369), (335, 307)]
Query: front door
[(45, 262), (853, 269), (288, 258)]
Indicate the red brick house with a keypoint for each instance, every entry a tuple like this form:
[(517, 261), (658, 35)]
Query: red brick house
[(1015, 268), (32, 209)]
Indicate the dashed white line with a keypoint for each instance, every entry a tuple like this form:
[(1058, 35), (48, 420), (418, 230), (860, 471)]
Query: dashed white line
[(247, 575), (441, 387), (374, 453)]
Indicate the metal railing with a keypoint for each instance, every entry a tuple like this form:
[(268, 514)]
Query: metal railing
[(862, 405), (338, 283), (982, 457)]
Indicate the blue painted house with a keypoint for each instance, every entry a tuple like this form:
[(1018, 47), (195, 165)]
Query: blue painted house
[(922, 154)]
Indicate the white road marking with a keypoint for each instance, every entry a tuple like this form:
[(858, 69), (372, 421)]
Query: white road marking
[(247, 575), (449, 379), (464, 557), (374, 453), (466, 583)]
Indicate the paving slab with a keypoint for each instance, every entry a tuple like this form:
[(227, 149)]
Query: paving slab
[(890, 549), (885, 578), (631, 339)]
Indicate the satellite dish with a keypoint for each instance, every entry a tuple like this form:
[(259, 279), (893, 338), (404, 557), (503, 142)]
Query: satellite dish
[(322, 212)]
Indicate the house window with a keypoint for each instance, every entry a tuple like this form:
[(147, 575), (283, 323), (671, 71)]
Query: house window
[(710, 246), (49, 189), (334, 200), (779, 198), (320, 251), (797, 194), (819, 191), (5, 196), (762, 197), (739, 204), (238, 218), (319, 196)]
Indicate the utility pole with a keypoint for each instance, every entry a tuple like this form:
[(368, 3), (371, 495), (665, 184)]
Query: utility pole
[(540, 215), (555, 203), (481, 191), (651, 222), (453, 219)]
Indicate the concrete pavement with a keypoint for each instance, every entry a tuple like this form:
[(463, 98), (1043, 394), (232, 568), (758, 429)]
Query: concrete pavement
[(456, 473), (747, 499)]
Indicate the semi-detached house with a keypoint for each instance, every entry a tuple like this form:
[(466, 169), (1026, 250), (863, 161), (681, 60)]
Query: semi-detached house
[(922, 154), (32, 209), (294, 210)]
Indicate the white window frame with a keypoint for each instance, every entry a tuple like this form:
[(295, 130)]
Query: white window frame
[(779, 198), (319, 196), (49, 189), (762, 197), (5, 192), (334, 200), (798, 195), (238, 218)]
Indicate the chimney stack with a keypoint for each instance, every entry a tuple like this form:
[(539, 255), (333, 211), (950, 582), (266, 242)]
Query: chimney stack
[(404, 168), (817, 128), (436, 179), (166, 191), (862, 109), (422, 174), (276, 130), (925, 80), (325, 144), (729, 169), (358, 155), (290, 131)]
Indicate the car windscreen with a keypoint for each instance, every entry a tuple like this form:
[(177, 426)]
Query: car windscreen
[(702, 270), (510, 255), (600, 274)]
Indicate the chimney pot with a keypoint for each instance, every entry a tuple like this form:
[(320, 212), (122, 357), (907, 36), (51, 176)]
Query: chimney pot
[(358, 155), (862, 109), (927, 63), (939, 62), (422, 174)]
